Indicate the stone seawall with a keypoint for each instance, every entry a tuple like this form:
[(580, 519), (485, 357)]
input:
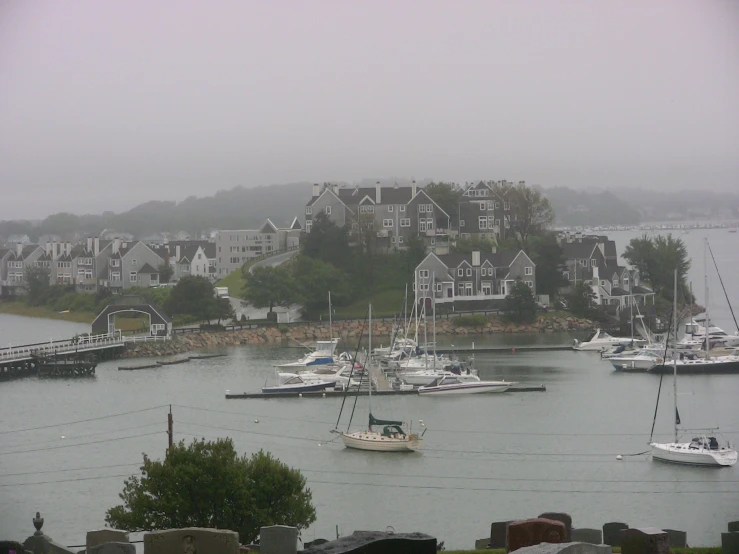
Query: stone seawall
[(306, 332)]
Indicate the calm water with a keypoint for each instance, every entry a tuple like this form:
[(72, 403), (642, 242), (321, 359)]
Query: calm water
[(485, 458)]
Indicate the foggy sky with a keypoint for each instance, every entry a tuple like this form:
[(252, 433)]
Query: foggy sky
[(104, 105)]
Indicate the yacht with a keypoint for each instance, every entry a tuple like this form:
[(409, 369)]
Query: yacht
[(642, 360), (323, 354), (600, 340), (700, 451), (337, 374), (695, 331), (297, 384), (457, 384), (428, 376)]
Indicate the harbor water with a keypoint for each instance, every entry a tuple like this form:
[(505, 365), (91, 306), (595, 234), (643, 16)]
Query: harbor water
[(66, 445)]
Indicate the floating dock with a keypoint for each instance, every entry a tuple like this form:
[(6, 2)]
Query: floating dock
[(135, 367), (173, 362), (337, 394), (505, 349)]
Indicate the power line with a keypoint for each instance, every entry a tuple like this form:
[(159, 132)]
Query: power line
[(76, 437), (68, 469), (80, 444), (81, 420), (243, 414), (65, 480), (247, 432)]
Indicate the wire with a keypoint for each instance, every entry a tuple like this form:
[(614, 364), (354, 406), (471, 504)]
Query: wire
[(248, 432), (80, 444), (68, 469), (244, 414), (88, 435), (81, 420), (65, 480)]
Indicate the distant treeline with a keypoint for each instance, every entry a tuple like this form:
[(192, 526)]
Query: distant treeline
[(242, 208)]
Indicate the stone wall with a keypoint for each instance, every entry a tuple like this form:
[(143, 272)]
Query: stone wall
[(306, 332)]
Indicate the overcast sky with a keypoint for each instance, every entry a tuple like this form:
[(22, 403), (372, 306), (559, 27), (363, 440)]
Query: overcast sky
[(104, 105)]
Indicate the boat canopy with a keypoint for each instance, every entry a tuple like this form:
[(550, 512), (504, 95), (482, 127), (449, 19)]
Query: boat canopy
[(375, 421)]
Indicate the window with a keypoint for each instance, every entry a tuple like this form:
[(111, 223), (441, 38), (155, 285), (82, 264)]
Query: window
[(422, 224), (133, 263), (626, 282), (115, 263), (392, 239), (133, 276), (405, 222), (484, 271), (390, 208), (506, 205), (429, 208), (592, 262), (438, 287), (615, 281), (424, 286), (497, 223), (366, 209), (528, 271), (387, 222), (507, 223), (400, 240), (482, 222), (422, 207), (483, 205), (490, 204), (469, 272), (308, 210), (584, 263), (602, 282), (491, 222), (486, 289), (530, 284), (460, 272), (461, 222), (566, 275), (429, 222), (328, 210), (402, 208), (234, 260), (460, 289), (433, 242), (423, 274), (200, 256), (308, 226)]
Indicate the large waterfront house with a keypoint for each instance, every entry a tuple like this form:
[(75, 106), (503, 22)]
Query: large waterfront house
[(17, 260), (393, 213), (593, 259), (479, 279), (484, 210), (236, 247), (190, 257), (131, 264)]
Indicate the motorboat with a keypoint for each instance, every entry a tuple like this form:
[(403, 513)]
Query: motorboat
[(341, 374), (695, 331), (600, 340), (456, 384), (428, 376), (642, 360), (323, 354), (400, 344), (297, 384)]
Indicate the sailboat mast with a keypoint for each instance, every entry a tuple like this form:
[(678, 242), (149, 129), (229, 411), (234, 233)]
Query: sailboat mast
[(330, 322), (705, 286), (674, 354), (433, 311), (369, 360)]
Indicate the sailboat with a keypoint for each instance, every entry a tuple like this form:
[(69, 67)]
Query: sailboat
[(393, 437), (702, 450)]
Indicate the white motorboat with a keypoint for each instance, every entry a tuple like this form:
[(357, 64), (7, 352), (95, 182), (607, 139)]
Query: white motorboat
[(428, 376), (450, 385), (297, 384), (400, 344), (600, 340), (642, 360), (392, 438), (700, 451), (694, 331), (332, 373), (323, 354)]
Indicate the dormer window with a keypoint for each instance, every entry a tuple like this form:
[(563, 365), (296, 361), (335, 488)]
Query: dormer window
[(308, 210), (460, 272)]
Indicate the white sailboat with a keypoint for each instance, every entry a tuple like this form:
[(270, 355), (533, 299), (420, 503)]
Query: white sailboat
[(702, 450), (393, 437)]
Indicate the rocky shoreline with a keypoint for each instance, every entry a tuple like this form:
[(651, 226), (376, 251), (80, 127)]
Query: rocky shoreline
[(306, 332)]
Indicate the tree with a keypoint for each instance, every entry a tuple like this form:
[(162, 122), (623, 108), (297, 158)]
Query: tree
[(206, 484), (37, 284), (315, 279), (468, 245), (414, 254), (165, 272), (270, 286), (582, 300), (193, 296), (530, 212), (519, 306), (656, 259), (549, 258), (327, 242), (447, 197)]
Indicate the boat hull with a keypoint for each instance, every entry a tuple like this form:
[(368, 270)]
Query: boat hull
[(699, 366), (375, 442), (303, 364), (306, 387), (632, 365), (676, 453), (464, 388)]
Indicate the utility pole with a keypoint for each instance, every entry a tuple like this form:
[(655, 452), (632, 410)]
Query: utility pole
[(170, 434)]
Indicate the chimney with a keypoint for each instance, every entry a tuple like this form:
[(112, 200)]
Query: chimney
[(47, 248), (378, 193), (316, 189), (494, 249), (336, 189), (68, 246), (116, 245), (578, 236), (475, 258), (89, 244), (18, 248), (177, 253), (413, 188), (96, 246)]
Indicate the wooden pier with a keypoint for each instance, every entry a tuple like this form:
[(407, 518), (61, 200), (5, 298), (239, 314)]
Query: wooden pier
[(338, 394)]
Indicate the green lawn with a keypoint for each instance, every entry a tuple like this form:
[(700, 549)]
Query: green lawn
[(235, 283), (20, 308), (384, 304)]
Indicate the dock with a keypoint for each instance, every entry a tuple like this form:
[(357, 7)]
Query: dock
[(338, 394), (505, 349)]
